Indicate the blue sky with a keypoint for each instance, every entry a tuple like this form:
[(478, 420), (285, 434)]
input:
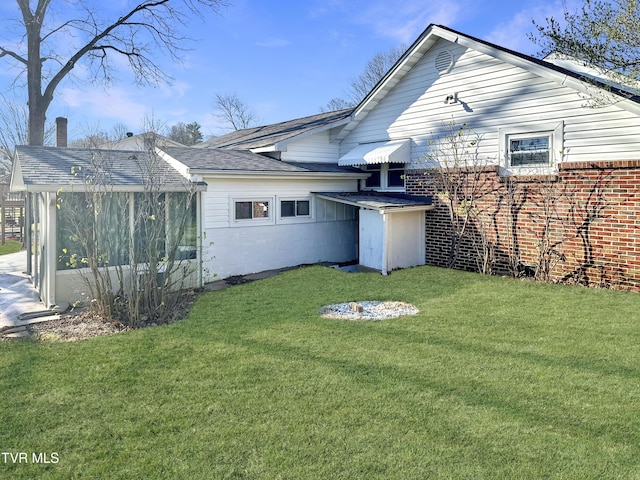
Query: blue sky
[(285, 59)]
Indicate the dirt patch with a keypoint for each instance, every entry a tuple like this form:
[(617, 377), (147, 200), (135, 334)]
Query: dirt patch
[(81, 324)]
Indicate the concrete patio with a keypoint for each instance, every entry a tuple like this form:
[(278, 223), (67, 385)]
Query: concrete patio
[(18, 298)]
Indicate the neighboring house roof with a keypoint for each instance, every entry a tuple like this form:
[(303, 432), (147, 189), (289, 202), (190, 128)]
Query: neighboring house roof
[(268, 137), (433, 33), (49, 169), (381, 201), (142, 141), (214, 160)]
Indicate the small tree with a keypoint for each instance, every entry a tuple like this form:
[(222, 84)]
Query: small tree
[(457, 175), (128, 247)]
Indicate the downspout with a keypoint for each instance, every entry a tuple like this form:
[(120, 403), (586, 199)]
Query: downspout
[(385, 244), (199, 239), (53, 249)]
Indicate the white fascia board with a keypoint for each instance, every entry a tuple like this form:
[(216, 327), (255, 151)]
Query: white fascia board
[(108, 189), (419, 48), (17, 180), (288, 175)]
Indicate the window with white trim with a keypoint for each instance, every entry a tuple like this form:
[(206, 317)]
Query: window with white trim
[(385, 176), (528, 149), (251, 210), (295, 208)]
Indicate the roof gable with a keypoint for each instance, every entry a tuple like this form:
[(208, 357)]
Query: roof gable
[(434, 33), (274, 137)]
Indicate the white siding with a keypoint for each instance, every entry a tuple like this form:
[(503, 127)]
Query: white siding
[(238, 248), (314, 148), (493, 94), (406, 240)]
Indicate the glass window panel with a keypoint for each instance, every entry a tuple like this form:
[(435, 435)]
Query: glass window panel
[(243, 210), (288, 208), (260, 209), (396, 178), (302, 208), (529, 151)]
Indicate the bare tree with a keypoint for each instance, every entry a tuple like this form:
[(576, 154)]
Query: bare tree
[(136, 34), (361, 85), (234, 112), (135, 251), (456, 175)]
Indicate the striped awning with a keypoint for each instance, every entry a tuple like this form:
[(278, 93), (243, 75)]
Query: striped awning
[(393, 151)]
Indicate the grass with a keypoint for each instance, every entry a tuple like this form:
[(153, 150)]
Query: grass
[(10, 246), (495, 378)]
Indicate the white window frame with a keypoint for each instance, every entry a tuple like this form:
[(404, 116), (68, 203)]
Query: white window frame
[(553, 130), (247, 222), (296, 218), (384, 178)]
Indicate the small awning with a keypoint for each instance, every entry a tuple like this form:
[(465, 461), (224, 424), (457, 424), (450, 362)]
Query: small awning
[(393, 151)]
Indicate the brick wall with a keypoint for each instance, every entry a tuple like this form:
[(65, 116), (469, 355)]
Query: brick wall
[(581, 225)]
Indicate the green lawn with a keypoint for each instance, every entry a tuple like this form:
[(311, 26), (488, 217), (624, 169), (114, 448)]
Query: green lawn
[(10, 246), (495, 378)]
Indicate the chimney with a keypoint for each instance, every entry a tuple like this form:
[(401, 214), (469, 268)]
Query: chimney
[(61, 132)]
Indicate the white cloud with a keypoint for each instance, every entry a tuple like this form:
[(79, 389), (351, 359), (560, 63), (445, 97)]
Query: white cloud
[(116, 104), (405, 20), (512, 33)]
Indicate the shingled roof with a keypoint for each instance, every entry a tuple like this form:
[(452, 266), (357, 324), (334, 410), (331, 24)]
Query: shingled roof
[(213, 160), (50, 168), (268, 135)]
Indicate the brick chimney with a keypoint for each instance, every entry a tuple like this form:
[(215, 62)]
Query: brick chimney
[(61, 132)]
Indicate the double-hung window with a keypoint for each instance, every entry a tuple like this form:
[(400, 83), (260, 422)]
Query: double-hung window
[(531, 149)]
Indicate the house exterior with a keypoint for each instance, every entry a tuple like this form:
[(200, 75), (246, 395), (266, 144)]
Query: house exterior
[(558, 146)]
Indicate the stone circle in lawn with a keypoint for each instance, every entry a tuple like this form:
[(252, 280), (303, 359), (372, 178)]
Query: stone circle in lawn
[(368, 310)]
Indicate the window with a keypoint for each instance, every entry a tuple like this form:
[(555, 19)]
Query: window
[(385, 176), (294, 208), (248, 210), (531, 149), (395, 176), (525, 151), (374, 180)]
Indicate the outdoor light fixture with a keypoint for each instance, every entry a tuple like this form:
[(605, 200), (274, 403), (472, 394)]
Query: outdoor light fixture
[(451, 98)]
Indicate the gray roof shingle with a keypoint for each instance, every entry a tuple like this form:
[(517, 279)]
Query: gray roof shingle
[(221, 160), (51, 166), (267, 135)]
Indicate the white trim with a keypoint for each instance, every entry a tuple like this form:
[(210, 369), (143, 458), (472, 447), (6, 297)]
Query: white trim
[(555, 131), (252, 222), (296, 218)]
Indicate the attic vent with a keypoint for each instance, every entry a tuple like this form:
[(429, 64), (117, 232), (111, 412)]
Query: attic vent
[(444, 62)]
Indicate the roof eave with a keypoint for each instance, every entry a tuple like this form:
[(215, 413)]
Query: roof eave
[(253, 173)]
